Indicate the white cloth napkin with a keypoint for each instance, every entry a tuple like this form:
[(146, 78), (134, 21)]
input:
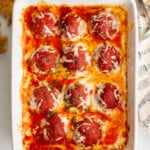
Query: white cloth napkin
[(144, 70)]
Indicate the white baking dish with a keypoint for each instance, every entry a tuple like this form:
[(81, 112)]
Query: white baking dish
[(129, 5)]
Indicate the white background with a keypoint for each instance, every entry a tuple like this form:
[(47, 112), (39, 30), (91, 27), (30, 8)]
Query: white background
[(5, 100)]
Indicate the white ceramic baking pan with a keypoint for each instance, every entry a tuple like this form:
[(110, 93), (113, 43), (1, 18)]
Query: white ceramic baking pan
[(130, 7)]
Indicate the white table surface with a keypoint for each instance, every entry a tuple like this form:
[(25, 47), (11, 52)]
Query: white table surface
[(5, 101)]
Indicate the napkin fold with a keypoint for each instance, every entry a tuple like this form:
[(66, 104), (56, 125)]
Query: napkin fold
[(144, 68)]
